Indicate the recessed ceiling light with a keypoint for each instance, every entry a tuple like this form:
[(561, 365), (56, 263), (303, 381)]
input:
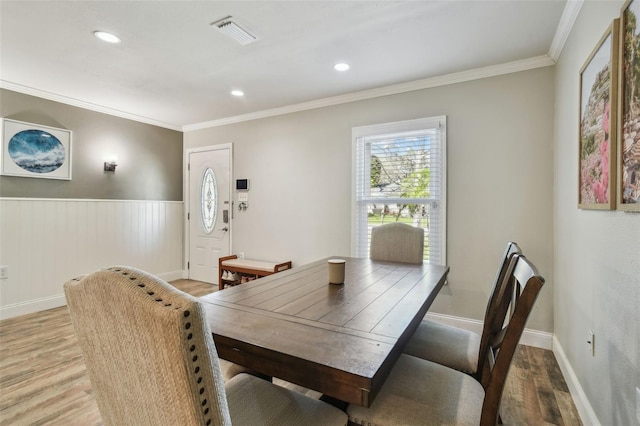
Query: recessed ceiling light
[(341, 66), (108, 37), (237, 93)]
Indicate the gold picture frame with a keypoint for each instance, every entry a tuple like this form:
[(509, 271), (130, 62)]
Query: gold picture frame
[(598, 124), (628, 188)]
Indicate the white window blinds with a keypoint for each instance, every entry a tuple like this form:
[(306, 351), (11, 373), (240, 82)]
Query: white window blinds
[(399, 176)]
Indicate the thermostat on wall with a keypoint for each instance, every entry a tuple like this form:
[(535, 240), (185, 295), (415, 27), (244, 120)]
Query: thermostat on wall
[(242, 184)]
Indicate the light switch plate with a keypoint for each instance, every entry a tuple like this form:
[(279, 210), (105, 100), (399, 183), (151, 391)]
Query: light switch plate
[(4, 272), (243, 197)]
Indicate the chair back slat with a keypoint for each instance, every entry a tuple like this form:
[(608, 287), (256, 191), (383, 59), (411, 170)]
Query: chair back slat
[(521, 277), (497, 305)]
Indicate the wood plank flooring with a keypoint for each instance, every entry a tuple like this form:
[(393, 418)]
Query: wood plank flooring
[(43, 380)]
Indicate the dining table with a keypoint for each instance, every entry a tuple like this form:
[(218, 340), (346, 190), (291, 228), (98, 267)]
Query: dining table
[(341, 340)]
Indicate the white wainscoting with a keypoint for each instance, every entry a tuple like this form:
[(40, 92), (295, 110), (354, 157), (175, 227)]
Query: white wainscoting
[(45, 242)]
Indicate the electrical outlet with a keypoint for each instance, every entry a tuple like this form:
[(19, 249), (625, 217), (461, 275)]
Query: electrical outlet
[(241, 255), (591, 342), (4, 272)]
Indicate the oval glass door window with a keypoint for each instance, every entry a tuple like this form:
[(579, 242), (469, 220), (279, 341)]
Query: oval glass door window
[(209, 200)]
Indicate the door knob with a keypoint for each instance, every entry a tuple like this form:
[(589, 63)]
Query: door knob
[(225, 229)]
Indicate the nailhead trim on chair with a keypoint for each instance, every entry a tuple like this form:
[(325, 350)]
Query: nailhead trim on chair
[(189, 336)]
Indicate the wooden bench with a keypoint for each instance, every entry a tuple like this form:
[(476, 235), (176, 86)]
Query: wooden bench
[(249, 268)]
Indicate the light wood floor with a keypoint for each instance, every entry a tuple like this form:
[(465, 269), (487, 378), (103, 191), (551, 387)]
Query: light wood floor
[(43, 380)]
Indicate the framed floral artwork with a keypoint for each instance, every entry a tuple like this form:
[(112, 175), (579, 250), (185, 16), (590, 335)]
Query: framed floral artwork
[(598, 123), (628, 188), (36, 151)]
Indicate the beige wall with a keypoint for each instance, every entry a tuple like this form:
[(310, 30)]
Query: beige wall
[(597, 260), (149, 157), (500, 175), (512, 174)]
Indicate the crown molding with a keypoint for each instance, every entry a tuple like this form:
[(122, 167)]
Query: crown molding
[(85, 105), (568, 18), (444, 80), (459, 77)]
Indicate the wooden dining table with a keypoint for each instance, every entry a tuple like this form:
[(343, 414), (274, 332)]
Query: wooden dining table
[(341, 340)]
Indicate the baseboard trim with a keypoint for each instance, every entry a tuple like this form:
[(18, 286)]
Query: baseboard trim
[(535, 338), (172, 276), (32, 306), (586, 412)]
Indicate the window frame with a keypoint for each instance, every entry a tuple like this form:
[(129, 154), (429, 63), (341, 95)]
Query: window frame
[(357, 133)]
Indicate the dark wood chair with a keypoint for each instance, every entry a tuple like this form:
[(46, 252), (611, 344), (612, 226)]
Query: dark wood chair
[(421, 392), (460, 349)]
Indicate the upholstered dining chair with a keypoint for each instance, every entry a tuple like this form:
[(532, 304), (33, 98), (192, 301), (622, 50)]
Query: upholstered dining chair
[(421, 392), (397, 242), (460, 349), (152, 360)]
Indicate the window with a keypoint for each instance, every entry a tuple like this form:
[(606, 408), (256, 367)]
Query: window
[(400, 176)]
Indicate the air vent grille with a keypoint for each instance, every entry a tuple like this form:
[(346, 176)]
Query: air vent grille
[(231, 29)]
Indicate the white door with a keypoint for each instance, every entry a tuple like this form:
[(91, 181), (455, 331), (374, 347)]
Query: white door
[(209, 218)]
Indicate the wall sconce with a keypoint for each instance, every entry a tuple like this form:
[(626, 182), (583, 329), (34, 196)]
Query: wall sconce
[(110, 164)]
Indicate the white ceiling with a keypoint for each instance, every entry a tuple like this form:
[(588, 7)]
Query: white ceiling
[(174, 69)]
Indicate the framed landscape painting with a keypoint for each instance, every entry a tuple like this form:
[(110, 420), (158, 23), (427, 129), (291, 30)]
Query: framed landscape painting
[(36, 151), (628, 187), (598, 123)]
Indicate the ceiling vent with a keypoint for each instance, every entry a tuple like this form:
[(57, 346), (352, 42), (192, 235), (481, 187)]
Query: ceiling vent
[(231, 29)]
